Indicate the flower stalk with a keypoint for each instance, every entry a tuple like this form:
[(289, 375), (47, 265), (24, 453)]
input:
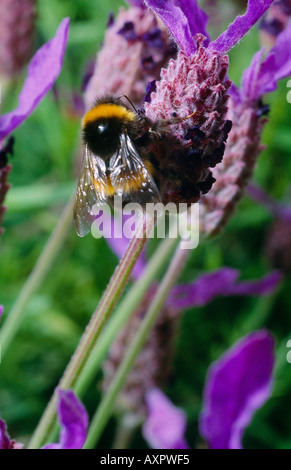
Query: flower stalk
[(123, 312), (92, 332), (104, 410)]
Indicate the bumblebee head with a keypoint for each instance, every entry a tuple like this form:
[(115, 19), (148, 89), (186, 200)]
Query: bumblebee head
[(102, 127)]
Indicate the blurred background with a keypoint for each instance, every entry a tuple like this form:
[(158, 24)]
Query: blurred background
[(43, 178)]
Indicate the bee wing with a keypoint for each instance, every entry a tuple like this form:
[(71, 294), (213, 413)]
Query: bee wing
[(128, 174), (90, 191)]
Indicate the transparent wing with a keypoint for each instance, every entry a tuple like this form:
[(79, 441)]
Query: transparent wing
[(91, 190), (129, 175)]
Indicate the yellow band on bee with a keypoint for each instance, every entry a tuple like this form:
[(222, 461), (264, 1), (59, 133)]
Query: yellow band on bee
[(133, 184), (106, 111), (127, 185), (104, 188)]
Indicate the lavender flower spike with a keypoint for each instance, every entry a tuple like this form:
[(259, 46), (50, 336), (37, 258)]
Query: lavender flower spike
[(194, 86), (43, 70), (165, 425), (74, 422), (237, 385), (243, 145)]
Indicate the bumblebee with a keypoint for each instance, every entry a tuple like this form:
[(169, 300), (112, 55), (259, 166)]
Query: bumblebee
[(120, 159), (115, 160)]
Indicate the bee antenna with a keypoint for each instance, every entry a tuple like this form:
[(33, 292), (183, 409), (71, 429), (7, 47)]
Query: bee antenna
[(176, 120), (124, 96), (188, 117)]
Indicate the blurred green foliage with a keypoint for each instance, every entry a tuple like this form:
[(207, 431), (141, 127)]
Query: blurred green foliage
[(44, 177)]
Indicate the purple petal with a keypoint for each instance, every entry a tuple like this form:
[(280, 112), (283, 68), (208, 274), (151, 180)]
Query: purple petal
[(262, 76), (235, 93), (196, 17), (1, 310), (136, 3), (43, 70), (176, 21), (202, 290), (263, 286), (165, 424), (221, 282), (241, 25), (237, 385), (73, 420), (250, 81), (277, 64), (5, 442)]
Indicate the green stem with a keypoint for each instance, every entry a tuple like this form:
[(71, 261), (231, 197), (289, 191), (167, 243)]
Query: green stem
[(123, 312), (36, 277), (93, 330), (105, 408)]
